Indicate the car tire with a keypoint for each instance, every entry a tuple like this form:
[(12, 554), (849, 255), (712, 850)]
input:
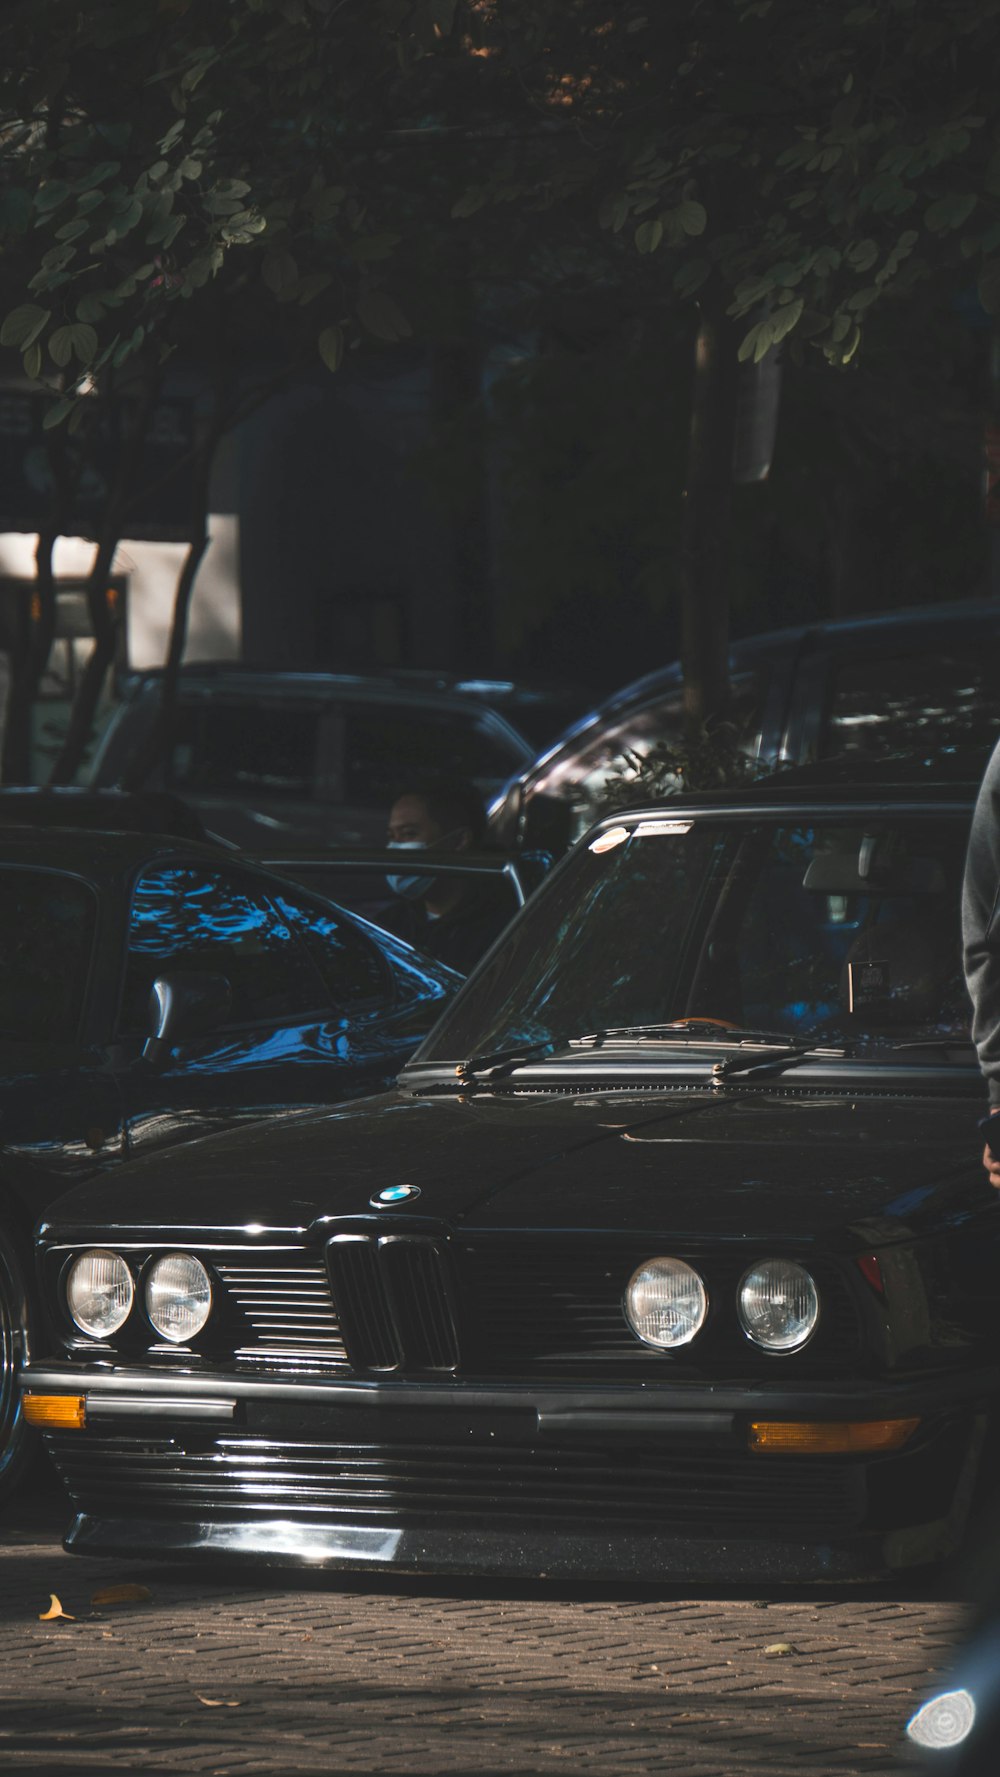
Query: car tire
[(18, 1440)]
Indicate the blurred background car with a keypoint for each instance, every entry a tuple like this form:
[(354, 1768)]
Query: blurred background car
[(153, 989), (864, 688), (316, 758)]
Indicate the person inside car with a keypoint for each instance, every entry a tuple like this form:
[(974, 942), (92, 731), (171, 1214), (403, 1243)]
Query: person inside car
[(453, 918)]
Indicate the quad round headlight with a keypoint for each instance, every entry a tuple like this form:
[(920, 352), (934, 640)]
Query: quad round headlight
[(778, 1305), (665, 1303), (99, 1292), (178, 1296)]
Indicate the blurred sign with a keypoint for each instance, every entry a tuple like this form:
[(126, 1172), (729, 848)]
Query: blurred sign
[(160, 507)]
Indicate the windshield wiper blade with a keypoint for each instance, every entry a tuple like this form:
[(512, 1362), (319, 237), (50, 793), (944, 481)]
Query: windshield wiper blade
[(774, 1064), (495, 1063), (680, 1030)]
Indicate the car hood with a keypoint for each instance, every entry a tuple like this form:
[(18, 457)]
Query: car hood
[(743, 1164)]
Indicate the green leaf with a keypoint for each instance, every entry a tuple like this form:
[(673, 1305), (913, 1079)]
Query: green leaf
[(279, 271), (692, 216), (470, 201), (61, 346), (77, 340), (84, 342), (23, 325), (862, 255), (71, 231), (32, 361), (313, 285), (97, 175), (128, 346), (648, 235), (50, 195), (331, 347), (90, 308), (382, 317), (949, 212), (786, 317), (749, 342), (124, 221), (55, 414)]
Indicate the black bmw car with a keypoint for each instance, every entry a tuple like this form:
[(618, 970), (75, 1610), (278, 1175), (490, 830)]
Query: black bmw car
[(670, 1253), (153, 989)]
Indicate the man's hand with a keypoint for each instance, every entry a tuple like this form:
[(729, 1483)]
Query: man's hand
[(992, 1165)]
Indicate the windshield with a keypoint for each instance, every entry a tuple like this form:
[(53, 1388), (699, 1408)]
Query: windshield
[(838, 931)]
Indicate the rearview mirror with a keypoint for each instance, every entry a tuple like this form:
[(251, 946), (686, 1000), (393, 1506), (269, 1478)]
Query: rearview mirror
[(839, 873), (182, 1006)]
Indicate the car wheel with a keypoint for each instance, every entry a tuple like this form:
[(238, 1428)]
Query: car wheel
[(18, 1440)]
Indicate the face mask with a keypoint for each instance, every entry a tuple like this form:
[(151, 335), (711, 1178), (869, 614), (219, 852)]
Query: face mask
[(411, 888)]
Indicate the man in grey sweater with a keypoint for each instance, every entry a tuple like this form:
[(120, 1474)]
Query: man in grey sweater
[(981, 949)]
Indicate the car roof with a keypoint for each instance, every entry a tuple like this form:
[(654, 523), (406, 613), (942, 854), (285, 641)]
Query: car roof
[(908, 622), (97, 852), (112, 810), (418, 685), (902, 781)]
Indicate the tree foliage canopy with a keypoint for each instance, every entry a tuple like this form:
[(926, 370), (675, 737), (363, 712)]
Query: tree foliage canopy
[(800, 163)]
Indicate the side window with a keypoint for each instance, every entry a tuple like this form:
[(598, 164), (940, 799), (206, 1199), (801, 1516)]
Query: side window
[(187, 917), (609, 770), (382, 744), (883, 705), (354, 973), (232, 748)]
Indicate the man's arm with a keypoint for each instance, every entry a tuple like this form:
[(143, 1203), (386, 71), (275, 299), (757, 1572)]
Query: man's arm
[(981, 944)]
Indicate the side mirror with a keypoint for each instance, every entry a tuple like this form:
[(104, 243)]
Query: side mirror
[(183, 1006)]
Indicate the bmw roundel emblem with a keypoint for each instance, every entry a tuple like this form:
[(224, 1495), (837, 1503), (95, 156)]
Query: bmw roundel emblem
[(394, 1194)]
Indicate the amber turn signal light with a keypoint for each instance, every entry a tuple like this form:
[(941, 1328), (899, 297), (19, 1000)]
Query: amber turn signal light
[(56, 1412), (834, 1437)]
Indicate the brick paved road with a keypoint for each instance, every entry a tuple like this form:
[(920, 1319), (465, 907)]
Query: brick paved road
[(299, 1674)]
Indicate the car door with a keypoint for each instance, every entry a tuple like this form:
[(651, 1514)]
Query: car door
[(60, 1106), (284, 1042)]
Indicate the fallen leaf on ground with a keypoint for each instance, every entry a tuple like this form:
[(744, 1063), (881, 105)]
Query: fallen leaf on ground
[(779, 1647), (55, 1610), (218, 1702), (126, 1594)]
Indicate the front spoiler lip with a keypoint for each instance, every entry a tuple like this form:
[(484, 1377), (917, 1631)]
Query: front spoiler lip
[(617, 1555), (133, 1391)]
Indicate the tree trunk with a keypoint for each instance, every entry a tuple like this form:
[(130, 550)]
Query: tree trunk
[(102, 620), (36, 628), (706, 522), (102, 623), (159, 742)]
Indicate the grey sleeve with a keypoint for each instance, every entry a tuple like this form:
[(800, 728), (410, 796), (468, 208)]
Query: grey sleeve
[(981, 926)]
